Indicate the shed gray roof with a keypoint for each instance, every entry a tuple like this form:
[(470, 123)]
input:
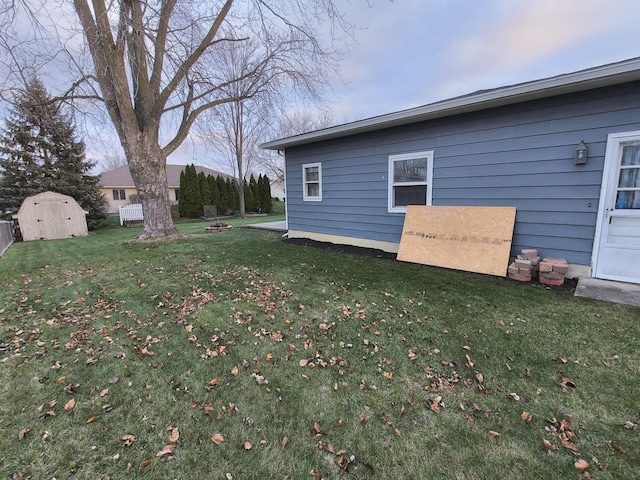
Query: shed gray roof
[(602, 76), (121, 177)]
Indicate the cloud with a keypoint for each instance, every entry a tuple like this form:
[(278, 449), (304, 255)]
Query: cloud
[(516, 37)]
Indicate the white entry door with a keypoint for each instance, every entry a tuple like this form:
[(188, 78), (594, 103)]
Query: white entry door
[(617, 242)]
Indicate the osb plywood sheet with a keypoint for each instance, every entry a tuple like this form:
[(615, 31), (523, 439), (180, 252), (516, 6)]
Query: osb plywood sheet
[(474, 239)]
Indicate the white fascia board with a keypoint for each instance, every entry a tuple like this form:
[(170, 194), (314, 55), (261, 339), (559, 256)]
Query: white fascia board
[(606, 75)]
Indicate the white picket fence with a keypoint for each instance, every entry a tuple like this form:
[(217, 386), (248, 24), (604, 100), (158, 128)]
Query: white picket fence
[(131, 213)]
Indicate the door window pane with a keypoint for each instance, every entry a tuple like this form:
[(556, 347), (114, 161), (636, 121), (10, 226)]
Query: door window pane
[(628, 195)]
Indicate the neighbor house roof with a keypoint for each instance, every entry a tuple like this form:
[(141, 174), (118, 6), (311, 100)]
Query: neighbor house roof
[(602, 76), (121, 177)]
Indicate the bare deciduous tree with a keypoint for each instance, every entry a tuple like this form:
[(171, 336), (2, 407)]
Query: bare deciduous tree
[(157, 69), (286, 125)]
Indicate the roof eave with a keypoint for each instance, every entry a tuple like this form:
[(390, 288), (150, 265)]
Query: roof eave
[(603, 76)]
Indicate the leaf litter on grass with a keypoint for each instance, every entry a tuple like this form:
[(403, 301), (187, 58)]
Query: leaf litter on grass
[(358, 348)]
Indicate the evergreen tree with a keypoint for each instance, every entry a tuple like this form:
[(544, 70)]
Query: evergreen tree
[(264, 186), (39, 153), (213, 188), (190, 198), (223, 207), (205, 191), (249, 201), (253, 185), (182, 194)]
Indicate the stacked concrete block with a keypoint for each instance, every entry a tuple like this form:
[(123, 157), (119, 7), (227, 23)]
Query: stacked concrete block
[(525, 266), (553, 271)]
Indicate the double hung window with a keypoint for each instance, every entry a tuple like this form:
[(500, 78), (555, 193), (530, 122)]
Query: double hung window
[(410, 178), (312, 182), (119, 195)]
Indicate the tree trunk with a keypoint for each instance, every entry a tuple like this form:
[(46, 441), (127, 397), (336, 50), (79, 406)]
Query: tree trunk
[(148, 166)]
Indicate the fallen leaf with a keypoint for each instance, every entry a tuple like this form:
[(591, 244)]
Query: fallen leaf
[(572, 447), (69, 405), (619, 448), (174, 436), (303, 362), (247, 445), (316, 427), (104, 392), (599, 464), (581, 465), (113, 380), (566, 381), (144, 463), (526, 416), (285, 442), (93, 419), (128, 440), (166, 454), (470, 364), (234, 371), (494, 434), (23, 433), (217, 438), (480, 377)]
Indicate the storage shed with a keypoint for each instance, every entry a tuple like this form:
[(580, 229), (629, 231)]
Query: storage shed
[(50, 215), (565, 151)]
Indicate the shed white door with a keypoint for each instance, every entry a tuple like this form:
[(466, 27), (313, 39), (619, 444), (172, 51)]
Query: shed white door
[(617, 245)]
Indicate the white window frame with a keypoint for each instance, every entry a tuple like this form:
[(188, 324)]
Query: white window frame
[(305, 182), (391, 184)]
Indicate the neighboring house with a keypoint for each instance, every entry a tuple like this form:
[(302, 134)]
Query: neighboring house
[(520, 145), (118, 187), (277, 189)]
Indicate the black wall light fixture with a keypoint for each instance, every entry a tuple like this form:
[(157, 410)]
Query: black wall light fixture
[(581, 154)]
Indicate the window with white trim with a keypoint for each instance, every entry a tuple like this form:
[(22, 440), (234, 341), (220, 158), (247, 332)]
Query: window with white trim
[(119, 195), (410, 178), (312, 182)]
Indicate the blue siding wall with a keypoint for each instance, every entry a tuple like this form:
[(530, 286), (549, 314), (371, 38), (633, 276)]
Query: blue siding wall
[(521, 156)]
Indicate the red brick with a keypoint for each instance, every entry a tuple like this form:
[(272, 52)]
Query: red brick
[(556, 261), (554, 275), (552, 281), (529, 253), (545, 267), (522, 263), (561, 268), (520, 278)]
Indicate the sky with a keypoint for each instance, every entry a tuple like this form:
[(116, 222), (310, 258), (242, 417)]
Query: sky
[(414, 52), (408, 53)]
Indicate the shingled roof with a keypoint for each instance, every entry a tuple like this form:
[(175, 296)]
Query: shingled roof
[(121, 177)]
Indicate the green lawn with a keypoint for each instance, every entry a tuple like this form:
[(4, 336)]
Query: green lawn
[(237, 355)]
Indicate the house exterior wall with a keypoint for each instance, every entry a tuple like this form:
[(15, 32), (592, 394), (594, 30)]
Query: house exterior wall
[(520, 155), (114, 205)]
